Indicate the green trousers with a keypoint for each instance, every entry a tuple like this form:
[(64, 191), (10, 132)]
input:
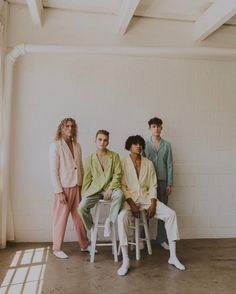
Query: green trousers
[(88, 202)]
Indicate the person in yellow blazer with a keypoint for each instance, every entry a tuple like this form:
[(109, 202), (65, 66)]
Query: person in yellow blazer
[(139, 184), (102, 180)]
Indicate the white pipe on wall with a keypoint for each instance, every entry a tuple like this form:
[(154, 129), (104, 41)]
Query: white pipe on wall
[(198, 52)]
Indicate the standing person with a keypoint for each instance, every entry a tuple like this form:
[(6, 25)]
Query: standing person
[(102, 180), (66, 171), (139, 185), (159, 152)]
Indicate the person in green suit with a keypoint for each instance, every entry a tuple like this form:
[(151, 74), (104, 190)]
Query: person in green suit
[(159, 152), (102, 180)]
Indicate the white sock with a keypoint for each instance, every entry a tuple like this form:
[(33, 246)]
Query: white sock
[(124, 250), (173, 258), (107, 227), (123, 270)]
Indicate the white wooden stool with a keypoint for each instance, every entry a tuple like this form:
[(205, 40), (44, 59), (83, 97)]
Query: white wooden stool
[(140, 222), (94, 232)]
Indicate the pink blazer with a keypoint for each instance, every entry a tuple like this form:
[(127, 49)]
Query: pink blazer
[(66, 171)]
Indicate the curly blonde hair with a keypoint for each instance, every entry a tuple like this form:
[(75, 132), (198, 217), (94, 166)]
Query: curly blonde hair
[(62, 124)]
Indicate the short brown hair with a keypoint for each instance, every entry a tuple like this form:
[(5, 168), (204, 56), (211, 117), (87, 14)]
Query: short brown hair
[(103, 132), (155, 121)]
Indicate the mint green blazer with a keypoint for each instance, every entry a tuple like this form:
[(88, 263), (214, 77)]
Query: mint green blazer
[(162, 160)]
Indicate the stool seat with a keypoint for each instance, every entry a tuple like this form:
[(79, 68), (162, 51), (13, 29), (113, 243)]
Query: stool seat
[(94, 232)]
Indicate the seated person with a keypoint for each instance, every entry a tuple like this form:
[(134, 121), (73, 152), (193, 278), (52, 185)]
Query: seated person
[(139, 185), (102, 180)]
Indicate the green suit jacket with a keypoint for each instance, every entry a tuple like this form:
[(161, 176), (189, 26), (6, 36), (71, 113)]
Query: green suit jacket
[(162, 160), (97, 180)]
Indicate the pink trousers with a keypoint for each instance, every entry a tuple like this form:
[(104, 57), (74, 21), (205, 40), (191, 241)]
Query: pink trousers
[(60, 217)]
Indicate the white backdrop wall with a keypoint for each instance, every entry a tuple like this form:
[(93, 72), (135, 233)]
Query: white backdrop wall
[(195, 98)]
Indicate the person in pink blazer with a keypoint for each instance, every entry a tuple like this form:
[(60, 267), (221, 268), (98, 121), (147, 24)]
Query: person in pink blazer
[(66, 171)]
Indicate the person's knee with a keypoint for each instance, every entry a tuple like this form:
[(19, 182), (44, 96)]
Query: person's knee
[(82, 207), (121, 217), (119, 195), (172, 213)]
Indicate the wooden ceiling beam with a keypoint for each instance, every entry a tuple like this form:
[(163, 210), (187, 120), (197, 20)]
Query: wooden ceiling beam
[(36, 10), (125, 15), (214, 17)]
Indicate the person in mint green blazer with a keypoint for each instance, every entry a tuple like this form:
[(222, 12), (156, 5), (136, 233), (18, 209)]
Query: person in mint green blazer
[(159, 152), (102, 180)]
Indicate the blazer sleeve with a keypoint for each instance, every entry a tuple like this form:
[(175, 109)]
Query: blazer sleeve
[(169, 165), (80, 167), (87, 180), (116, 178), (124, 183), (152, 191), (54, 163)]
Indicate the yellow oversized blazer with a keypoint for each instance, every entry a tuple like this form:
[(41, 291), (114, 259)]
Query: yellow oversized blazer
[(97, 180), (145, 185), (66, 171)]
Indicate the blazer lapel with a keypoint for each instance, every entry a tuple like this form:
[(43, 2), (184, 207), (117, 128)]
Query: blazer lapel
[(97, 164), (143, 170), (67, 149), (75, 148), (107, 169)]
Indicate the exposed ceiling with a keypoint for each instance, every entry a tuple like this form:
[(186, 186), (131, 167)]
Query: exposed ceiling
[(208, 15)]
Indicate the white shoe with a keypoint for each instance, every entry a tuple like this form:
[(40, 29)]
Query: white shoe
[(60, 254), (123, 270), (88, 249), (107, 228), (175, 262), (141, 245), (165, 246)]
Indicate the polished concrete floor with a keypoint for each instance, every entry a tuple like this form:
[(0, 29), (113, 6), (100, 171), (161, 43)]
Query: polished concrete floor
[(31, 268)]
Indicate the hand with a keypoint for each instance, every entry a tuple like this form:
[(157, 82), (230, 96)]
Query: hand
[(168, 190), (151, 211), (107, 194), (135, 210), (62, 198)]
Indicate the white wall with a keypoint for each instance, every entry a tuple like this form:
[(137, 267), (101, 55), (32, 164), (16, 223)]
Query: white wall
[(195, 98)]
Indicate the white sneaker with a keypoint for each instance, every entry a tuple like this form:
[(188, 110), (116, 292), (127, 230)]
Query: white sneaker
[(165, 246), (141, 245), (88, 249), (123, 270), (60, 254), (107, 228), (175, 262)]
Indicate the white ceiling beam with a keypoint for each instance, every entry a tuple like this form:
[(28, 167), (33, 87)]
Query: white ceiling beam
[(125, 15), (36, 9), (214, 17)]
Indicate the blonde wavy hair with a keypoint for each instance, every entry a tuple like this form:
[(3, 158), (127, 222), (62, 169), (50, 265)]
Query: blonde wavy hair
[(62, 124)]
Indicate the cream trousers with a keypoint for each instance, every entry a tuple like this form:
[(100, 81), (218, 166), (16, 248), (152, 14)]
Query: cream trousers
[(163, 212)]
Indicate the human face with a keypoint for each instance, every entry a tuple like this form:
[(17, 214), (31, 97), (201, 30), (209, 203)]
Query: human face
[(68, 129), (136, 149), (155, 130), (102, 142)]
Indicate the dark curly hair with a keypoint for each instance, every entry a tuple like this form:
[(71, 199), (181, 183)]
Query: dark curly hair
[(134, 140)]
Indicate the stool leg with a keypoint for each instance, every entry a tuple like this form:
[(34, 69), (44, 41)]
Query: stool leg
[(114, 244), (147, 237), (137, 238), (94, 232)]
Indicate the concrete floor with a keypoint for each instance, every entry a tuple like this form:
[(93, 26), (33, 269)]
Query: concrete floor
[(31, 268)]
